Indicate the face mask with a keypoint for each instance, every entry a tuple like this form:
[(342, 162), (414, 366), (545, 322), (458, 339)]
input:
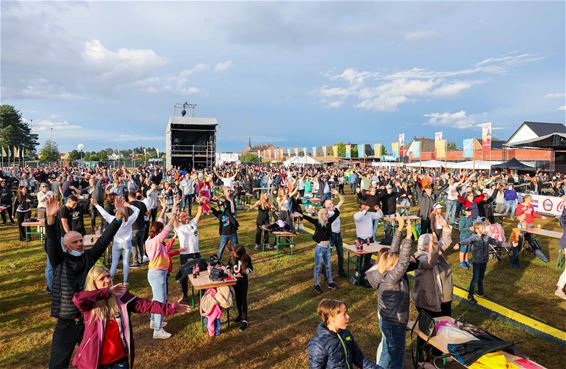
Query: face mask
[(76, 253)]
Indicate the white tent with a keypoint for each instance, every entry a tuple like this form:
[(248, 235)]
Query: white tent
[(473, 164), (300, 160), (427, 164)]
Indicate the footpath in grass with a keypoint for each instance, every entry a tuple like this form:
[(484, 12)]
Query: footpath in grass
[(282, 307)]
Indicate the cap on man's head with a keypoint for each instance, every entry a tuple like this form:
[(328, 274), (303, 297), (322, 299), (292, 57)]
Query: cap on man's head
[(438, 206)]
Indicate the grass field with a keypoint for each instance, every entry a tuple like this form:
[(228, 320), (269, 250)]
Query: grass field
[(282, 307)]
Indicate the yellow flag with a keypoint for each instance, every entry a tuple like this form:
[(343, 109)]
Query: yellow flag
[(15, 152), (335, 151), (4, 152)]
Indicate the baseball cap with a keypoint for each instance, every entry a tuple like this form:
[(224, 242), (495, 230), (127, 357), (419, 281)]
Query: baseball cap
[(438, 206)]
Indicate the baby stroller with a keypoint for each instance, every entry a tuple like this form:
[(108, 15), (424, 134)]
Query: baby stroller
[(498, 252)]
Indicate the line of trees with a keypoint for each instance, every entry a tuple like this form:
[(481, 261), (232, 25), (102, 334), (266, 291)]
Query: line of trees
[(15, 132)]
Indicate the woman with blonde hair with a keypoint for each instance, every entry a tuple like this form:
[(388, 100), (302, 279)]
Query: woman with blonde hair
[(263, 208), (322, 250), (108, 340), (392, 286)]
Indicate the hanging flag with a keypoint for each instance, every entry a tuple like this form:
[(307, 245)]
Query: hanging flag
[(281, 153), (305, 152), (401, 144), (416, 149), (144, 151), (296, 150), (348, 151), (437, 137), (259, 154), (395, 150), (361, 150), (324, 148), (440, 148), (314, 151), (16, 154), (377, 149), (335, 151), (157, 152), (3, 152), (486, 136), (468, 148), (289, 152)]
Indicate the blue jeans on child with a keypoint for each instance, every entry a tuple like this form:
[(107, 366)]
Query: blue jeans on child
[(510, 205), (157, 280), (322, 253), (392, 345), (224, 238)]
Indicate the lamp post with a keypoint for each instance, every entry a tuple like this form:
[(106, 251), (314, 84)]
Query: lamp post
[(80, 148)]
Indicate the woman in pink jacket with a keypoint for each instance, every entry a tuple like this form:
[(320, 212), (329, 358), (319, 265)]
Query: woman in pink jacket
[(108, 341)]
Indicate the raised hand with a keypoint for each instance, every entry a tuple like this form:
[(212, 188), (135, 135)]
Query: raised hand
[(118, 290), (93, 202), (409, 229), (400, 220), (52, 206)]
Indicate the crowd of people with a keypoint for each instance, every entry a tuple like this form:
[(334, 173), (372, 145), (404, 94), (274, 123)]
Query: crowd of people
[(143, 212)]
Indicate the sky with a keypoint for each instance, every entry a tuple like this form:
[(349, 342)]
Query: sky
[(295, 74)]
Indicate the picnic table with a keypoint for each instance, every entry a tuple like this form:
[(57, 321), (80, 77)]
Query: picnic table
[(282, 238), (441, 341), (551, 234), (40, 224), (371, 248), (203, 282)]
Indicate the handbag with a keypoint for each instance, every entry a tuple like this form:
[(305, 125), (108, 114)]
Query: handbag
[(217, 275), (427, 324)]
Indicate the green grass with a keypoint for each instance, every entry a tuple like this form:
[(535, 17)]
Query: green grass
[(282, 307)]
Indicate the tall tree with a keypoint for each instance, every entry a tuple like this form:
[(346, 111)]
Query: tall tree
[(49, 152), (14, 132)]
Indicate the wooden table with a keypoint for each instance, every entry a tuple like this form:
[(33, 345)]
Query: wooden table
[(203, 282), (40, 224), (551, 234), (372, 248), (441, 343)]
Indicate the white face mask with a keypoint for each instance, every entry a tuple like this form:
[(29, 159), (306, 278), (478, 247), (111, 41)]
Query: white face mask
[(76, 253)]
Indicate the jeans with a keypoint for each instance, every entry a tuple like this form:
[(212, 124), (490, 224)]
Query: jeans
[(451, 206), (322, 254), (188, 202), (138, 250), (325, 196), (116, 253), (477, 278), (224, 238), (157, 280), (49, 274), (375, 224), (185, 281), (510, 205), (392, 345), (352, 188), (336, 241), (67, 334)]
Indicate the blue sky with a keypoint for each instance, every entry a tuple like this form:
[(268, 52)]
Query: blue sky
[(107, 74)]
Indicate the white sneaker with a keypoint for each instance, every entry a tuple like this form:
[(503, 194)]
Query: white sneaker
[(560, 293), (160, 334), (163, 324), (145, 260)]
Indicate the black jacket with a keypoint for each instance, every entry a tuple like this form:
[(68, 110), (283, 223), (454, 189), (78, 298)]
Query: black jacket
[(480, 247), (322, 233), (330, 350), (69, 272)]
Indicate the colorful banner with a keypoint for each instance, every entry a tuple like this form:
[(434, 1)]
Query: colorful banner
[(395, 150), (401, 144), (281, 153), (546, 204), (437, 137), (440, 147), (313, 151), (361, 150), (335, 151), (377, 149), (296, 151), (324, 148), (3, 152), (259, 154), (486, 136), (348, 151), (416, 149), (468, 148), (289, 152)]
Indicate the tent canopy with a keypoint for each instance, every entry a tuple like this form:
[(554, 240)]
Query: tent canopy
[(513, 164), (300, 160)]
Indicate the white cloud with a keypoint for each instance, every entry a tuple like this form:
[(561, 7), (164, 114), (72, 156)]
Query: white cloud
[(199, 68), (223, 66), (563, 107), (53, 123), (381, 91), (334, 104), (458, 119), (127, 137), (419, 35), (554, 95)]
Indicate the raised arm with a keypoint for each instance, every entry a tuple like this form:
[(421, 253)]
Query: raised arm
[(199, 211), (53, 242), (107, 216)]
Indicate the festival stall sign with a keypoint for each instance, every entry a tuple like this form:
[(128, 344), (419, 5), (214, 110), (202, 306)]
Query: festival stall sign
[(377, 149), (440, 148), (361, 151), (348, 151), (416, 149), (486, 136), (546, 204), (335, 151), (401, 144), (468, 148), (395, 150)]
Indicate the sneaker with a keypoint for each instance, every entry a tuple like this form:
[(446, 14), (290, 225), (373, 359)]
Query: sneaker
[(482, 295), (256, 248), (469, 263), (243, 325), (268, 246), (317, 289), (238, 320), (332, 286), (342, 274), (560, 293), (463, 265), (472, 300), (160, 334), (136, 265), (145, 259), (163, 324)]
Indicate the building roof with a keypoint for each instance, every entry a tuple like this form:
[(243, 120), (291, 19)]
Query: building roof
[(192, 121), (543, 129)]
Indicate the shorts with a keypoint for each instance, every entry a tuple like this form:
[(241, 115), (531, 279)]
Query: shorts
[(464, 249)]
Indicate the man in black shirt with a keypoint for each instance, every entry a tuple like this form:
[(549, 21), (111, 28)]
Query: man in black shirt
[(71, 216), (138, 228)]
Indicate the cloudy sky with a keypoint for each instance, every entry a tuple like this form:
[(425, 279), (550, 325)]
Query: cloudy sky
[(107, 74)]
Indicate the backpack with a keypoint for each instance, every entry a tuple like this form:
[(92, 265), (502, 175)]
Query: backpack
[(217, 275)]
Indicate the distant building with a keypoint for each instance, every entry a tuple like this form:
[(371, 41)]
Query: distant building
[(532, 130)]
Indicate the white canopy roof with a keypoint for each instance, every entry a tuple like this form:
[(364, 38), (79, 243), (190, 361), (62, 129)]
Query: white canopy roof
[(300, 160)]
